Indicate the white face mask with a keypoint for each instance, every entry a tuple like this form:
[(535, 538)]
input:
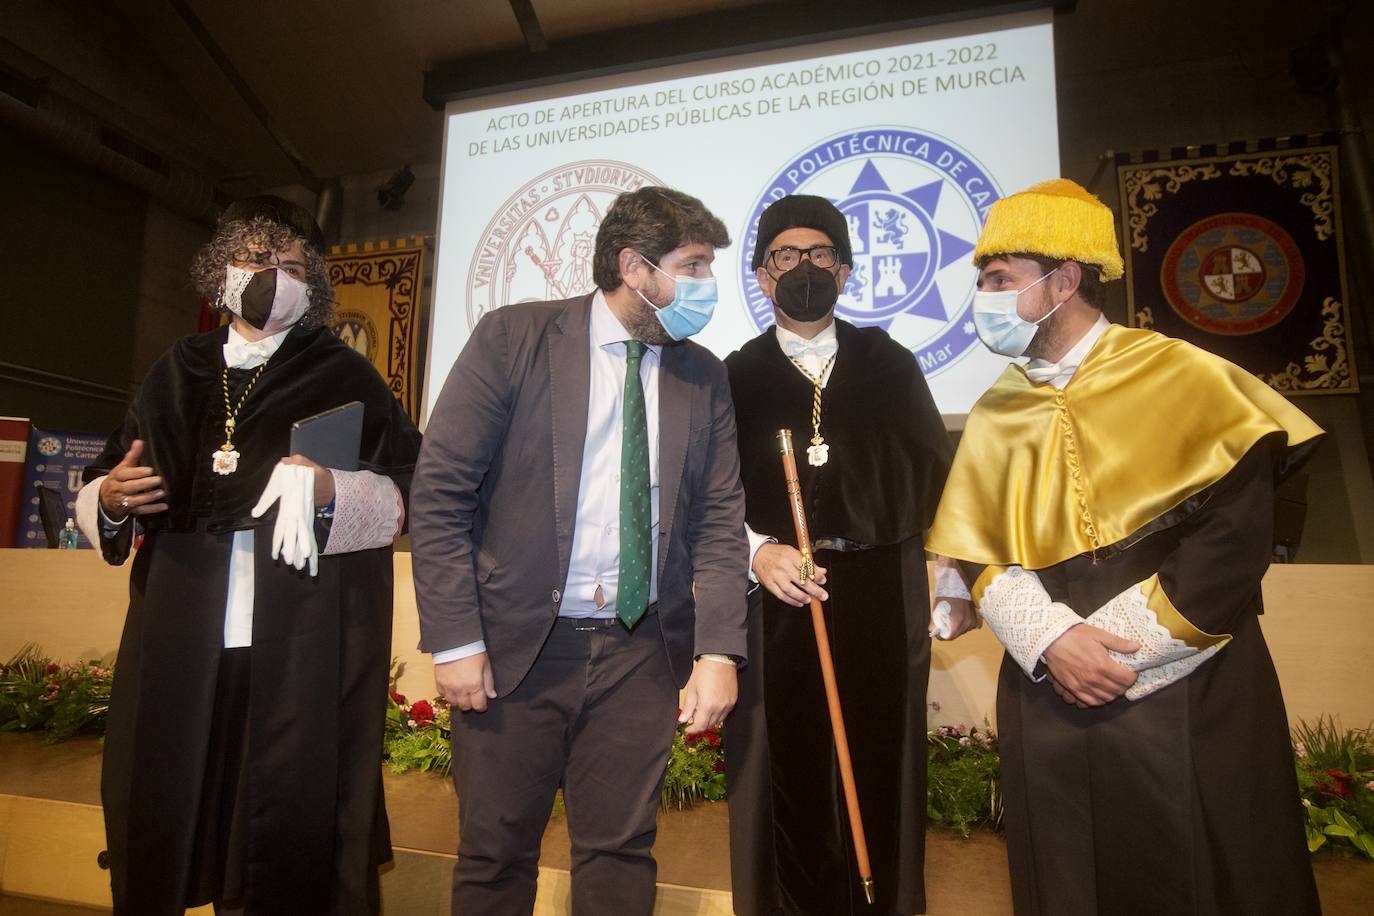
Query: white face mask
[(270, 300), (999, 326)]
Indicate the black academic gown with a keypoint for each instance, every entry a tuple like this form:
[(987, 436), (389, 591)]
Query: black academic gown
[(790, 846), (1184, 801), (310, 821)]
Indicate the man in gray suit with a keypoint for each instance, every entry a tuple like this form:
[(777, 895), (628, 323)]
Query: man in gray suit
[(577, 522)]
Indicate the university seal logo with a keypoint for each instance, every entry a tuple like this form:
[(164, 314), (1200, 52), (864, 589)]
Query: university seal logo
[(539, 244), (356, 328), (1233, 273), (915, 203)]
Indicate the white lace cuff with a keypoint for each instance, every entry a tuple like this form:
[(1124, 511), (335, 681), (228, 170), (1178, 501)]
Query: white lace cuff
[(368, 512), (1162, 658), (949, 583), (1024, 617)]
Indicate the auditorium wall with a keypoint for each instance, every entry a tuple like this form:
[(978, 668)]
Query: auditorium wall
[(71, 247)]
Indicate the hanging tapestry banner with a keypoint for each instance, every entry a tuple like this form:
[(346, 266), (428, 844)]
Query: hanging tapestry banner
[(378, 287), (1242, 255)]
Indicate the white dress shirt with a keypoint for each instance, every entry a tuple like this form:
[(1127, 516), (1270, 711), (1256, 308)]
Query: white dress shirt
[(815, 354), (1058, 374), (594, 566)]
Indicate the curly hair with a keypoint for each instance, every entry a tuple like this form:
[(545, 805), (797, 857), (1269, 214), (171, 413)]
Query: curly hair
[(232, 240), (652, 221)]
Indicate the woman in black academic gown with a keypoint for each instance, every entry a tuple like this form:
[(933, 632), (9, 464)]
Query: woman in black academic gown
[(243, 751)]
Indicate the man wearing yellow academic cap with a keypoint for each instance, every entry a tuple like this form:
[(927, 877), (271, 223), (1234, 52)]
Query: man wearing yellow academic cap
[(1112, 501)]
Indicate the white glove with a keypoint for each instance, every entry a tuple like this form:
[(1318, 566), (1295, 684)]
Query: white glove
[(942, 626), (293, 538)]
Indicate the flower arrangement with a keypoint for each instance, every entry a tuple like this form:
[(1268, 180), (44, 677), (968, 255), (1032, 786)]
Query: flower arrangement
[(963, 782), (418, 735), (1335, 766), (1336, 783), (36, 692), (696, 769)]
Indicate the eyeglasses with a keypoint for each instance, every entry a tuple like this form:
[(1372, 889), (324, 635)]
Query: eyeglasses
[(823, 256)]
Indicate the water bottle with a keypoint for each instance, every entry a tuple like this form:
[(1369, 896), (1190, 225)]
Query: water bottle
[(66, 538)]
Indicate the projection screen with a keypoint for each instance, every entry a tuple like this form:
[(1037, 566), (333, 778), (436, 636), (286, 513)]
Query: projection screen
[(912, 134)]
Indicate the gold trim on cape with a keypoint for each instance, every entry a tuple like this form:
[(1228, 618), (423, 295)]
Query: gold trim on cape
[(1172, 619), (980, 585), (1044, 474)]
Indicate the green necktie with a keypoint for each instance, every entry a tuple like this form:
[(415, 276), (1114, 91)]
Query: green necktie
[(636, 519)]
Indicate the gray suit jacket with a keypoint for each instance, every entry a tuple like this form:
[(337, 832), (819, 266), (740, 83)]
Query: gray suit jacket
[(494, 497)]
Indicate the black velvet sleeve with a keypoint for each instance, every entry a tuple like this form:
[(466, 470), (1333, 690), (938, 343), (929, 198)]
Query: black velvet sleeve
[(116, 543), (1212, 576)]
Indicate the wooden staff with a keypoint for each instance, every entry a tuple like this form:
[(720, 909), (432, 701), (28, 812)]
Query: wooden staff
[(832, 693)]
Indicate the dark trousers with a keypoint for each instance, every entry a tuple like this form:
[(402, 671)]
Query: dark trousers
[(595, 715)]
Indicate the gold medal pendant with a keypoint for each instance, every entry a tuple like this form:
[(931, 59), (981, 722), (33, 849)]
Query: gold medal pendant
[(819, 453), (226, 460)]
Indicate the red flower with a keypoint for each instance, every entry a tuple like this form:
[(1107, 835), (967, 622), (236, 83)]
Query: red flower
[(1338, 786), (53, 668), (397, 698), (422, 712)]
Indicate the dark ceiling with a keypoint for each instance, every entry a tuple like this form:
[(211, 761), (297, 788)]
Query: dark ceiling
[(234, 90)]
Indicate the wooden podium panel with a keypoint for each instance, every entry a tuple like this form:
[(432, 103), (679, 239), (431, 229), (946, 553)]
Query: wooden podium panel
[(1319, 622)]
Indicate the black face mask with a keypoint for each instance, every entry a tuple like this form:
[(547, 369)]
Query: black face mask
[(258, 296), (806, 292)]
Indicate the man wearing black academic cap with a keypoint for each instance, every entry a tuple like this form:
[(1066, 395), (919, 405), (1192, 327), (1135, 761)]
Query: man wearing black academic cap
[(872, 456), (242, 760)]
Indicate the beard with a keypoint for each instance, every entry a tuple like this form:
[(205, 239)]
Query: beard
[(1049, 335), (643, 323)]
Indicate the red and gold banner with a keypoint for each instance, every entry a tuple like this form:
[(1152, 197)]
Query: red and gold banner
[(378, 286), (1238, 250)]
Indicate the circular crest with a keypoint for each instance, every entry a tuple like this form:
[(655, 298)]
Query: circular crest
[(539, 244), (356, 328), (1233, 273)]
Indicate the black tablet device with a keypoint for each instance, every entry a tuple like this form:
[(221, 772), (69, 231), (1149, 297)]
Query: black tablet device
[(331, 439)]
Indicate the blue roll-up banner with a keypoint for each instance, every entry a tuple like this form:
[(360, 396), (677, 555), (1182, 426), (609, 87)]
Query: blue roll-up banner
[(55, 461)]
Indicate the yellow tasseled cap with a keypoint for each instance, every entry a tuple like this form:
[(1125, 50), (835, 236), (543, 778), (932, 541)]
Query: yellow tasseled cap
[(1055, 219)]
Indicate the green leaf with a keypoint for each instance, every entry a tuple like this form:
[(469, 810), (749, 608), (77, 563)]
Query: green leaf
[(1343, 821), (1364, 842)]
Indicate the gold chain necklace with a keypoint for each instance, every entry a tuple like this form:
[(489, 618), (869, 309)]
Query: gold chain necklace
[(226, 460), (818, 453)]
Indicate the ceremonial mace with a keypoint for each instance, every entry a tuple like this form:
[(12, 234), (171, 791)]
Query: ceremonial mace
[(832, 692)]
